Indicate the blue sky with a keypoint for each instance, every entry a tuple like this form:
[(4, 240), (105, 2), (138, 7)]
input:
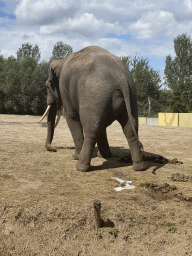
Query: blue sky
[(139, 27)]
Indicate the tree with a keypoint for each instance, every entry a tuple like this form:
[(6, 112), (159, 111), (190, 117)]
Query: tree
[(39, 100), (178, 75), (28, 65), (11, 86), (148, 83), (2, 79), (32, 86), (27, 50), (147, 79), (126, 60), (23, 87), (60, 51)]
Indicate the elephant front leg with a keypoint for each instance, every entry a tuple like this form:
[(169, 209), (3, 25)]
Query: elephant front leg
[(50, 127), (103, 145)]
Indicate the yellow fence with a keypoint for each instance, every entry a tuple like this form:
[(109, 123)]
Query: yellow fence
[(168, 119), (142, 120), (175, 119)]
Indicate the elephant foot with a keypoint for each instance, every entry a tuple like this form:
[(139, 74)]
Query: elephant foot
[(50, 148), (139, 166), (82, 167)]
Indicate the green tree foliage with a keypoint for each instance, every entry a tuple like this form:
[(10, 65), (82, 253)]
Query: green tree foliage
[(33, 89), (178, 75), (11, 86), (22, 87), (60, 51), (146, 79), (27, 50), (38, 78), (126, 60), (165, 99), (148, 83), (2, 78)]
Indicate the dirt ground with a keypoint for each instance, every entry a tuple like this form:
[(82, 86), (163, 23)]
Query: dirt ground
[(46, 206)]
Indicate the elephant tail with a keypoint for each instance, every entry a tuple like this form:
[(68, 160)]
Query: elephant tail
[(130, 96)]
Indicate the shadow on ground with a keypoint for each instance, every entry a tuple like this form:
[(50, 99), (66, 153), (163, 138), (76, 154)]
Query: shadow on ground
[(122, 157)]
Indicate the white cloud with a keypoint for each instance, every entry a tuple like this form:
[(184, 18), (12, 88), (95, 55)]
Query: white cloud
[(122, 11), (38, 12), (86, 25), (154, 24), (188, 4)]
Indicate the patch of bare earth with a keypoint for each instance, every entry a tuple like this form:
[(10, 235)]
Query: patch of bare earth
[(46, 206)]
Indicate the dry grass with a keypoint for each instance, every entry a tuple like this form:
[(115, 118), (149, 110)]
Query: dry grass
[(46, 206)]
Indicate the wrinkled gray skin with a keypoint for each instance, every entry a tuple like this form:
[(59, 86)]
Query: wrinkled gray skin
[(53, 98), (95, 88)]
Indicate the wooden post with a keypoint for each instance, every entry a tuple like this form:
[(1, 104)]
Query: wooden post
[(97, 211), (149, 102)]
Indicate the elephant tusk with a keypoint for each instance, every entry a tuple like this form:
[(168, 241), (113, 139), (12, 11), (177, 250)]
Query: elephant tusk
[(58, 118), (46, 112)]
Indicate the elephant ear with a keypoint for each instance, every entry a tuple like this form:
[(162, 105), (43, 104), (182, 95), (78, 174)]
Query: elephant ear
[(51, 82), (53, 87)]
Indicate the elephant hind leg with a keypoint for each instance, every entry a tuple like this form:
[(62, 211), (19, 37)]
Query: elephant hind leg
[(77, 134), (92, 120), (136, 154), (103, 145), (83, 164)]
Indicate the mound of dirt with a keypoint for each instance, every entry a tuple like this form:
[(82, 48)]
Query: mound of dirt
[(163, 191), (181, 177), (155, 159), (174, 161)]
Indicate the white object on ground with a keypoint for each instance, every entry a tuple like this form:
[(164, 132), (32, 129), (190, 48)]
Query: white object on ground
[(127, 186)]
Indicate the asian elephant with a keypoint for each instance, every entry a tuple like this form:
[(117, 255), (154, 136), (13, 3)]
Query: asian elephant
[(95, 88), (53, 96)]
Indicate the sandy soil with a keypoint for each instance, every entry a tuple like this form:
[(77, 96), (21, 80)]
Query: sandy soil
[(46, 206)]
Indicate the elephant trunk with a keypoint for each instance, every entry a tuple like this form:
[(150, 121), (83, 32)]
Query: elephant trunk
[(50, 127)]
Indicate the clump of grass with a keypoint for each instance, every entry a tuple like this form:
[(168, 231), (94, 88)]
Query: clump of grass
[(99, 235), (162, 224), (119, 216), (143, 217), (170, 225), (172, 229), (114, 232), (104, 214), (132, 222)]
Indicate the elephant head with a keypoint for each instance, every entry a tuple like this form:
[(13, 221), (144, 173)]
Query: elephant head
[(54, 101)]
